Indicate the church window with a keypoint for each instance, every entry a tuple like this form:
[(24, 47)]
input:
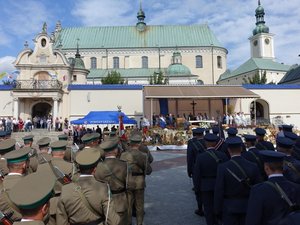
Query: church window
[(144, 62), (93, 63), (116, 64), (199, 62), (219, 61), (43, 42), (74, 77)]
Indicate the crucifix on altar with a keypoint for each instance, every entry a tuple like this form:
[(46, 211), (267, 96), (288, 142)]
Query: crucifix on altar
[(193, 106)]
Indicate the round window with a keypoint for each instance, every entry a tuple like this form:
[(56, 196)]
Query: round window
[(255, 43), (267, 41)]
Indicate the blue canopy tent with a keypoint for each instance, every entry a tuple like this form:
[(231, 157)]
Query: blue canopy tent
[(103, 117)]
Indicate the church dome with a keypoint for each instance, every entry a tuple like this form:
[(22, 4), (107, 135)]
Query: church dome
[(78, 63), (178, 69), (260, 28), (260, 10)]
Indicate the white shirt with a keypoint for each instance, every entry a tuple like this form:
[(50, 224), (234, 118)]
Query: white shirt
[(276, 175)]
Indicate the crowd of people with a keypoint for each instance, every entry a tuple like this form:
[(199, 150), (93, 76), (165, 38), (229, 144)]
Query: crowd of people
[(51, 182), (245, 180)]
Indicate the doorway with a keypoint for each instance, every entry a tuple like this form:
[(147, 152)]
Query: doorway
[(40, 114)]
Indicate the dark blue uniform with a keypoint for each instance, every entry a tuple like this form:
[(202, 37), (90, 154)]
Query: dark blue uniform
[(194, 147), (291, 169), (231, 196), (204, 176), (266, 207), (253, 155), (264, 145)]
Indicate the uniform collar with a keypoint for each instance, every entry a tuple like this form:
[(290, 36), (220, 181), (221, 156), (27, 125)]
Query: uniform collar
[(11, 174), (276, 175)]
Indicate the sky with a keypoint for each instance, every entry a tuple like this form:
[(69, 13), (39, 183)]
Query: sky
[(232, 21)]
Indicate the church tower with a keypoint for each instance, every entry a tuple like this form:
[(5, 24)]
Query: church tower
[(262, 42)]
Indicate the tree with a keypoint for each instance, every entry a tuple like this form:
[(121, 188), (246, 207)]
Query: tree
[(257, 79), (158, 78), (113, 77)]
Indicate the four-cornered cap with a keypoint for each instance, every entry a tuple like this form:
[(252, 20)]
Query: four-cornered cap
[(43, 142), (33, 191), (286, 127), (88, 157), (28, 138), (234, 142), (232, 131), (58, 145), (269, 156), (260, 131), (284, 142), (198, 130), (7, 145), (63, 137), (17, 156), (249, 137), (291, 135), (215, 130), (210, 137), (136, 138), (109, 144), (2, 134)]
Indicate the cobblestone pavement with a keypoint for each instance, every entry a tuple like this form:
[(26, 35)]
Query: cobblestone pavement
[(169, 199)]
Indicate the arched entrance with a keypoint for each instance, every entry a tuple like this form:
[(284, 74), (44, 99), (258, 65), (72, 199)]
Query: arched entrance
[(259, 110), (40, 111)]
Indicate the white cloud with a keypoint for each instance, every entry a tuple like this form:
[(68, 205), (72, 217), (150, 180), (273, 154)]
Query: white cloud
[(6, 64)]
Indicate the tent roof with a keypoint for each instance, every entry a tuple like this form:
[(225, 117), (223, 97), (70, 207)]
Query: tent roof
[(198, 91)]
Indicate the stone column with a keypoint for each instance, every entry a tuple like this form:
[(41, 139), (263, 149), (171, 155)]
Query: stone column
[(55, 110), (16, 108)]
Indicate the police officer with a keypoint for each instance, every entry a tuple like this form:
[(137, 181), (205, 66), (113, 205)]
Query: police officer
[(17, 163), (261, 144), (204, 175), (195, 146), (266, 205), (140, 168), (291, 166), (31, 195), (116, 173), (233, 182), (86, 201)]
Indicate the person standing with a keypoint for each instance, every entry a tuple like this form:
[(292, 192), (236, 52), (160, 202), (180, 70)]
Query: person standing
[(233, 183), (138, 162), (261, 144), (266, 205), (204, 175)]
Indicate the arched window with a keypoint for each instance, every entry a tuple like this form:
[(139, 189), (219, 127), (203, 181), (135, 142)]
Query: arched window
[(199, 62), (93, 63), (219, 60), (145, 62), (116, 64)]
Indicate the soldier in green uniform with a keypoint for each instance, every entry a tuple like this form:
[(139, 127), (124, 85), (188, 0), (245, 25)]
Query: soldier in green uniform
[(17, 161), (116, 173), (59, 169), (43, 154), (6, 146), (31, 195), (33, 164), (90, 140), (86, 201), (138, 162), (69, 157)]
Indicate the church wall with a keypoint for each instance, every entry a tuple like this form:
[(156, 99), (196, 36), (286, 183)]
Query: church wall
[(6, 103)]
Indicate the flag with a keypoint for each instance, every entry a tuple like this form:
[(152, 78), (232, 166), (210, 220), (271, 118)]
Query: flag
[(2, 75), (121, 127)]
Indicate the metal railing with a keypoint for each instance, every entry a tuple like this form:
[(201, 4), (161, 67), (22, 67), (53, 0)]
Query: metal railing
[(37, 85)]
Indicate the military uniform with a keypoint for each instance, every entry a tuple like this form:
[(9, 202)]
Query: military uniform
[(116, 173), (6, 146), (31, 193), (33, 161), (262, 144), (266, 206), (86, 201), (232, 186), (204, 176), (90, 140), (43, 156), (140, 167), (65, 167)]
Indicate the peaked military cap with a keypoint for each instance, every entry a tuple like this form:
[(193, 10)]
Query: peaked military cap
[(215, 130), (7, 145), (284, 142), (62, 137), (17, 156), (28, 138), (43, 142), (272, 156), (286, 127), (260, 131), (210, 137), (2, 133), (198, 130), (291, 135), (136, 138), (109, 144), (88, 157), (89, 137), (234, 141), (232, 131), (249, 137), (33, 191), (58, 145)]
